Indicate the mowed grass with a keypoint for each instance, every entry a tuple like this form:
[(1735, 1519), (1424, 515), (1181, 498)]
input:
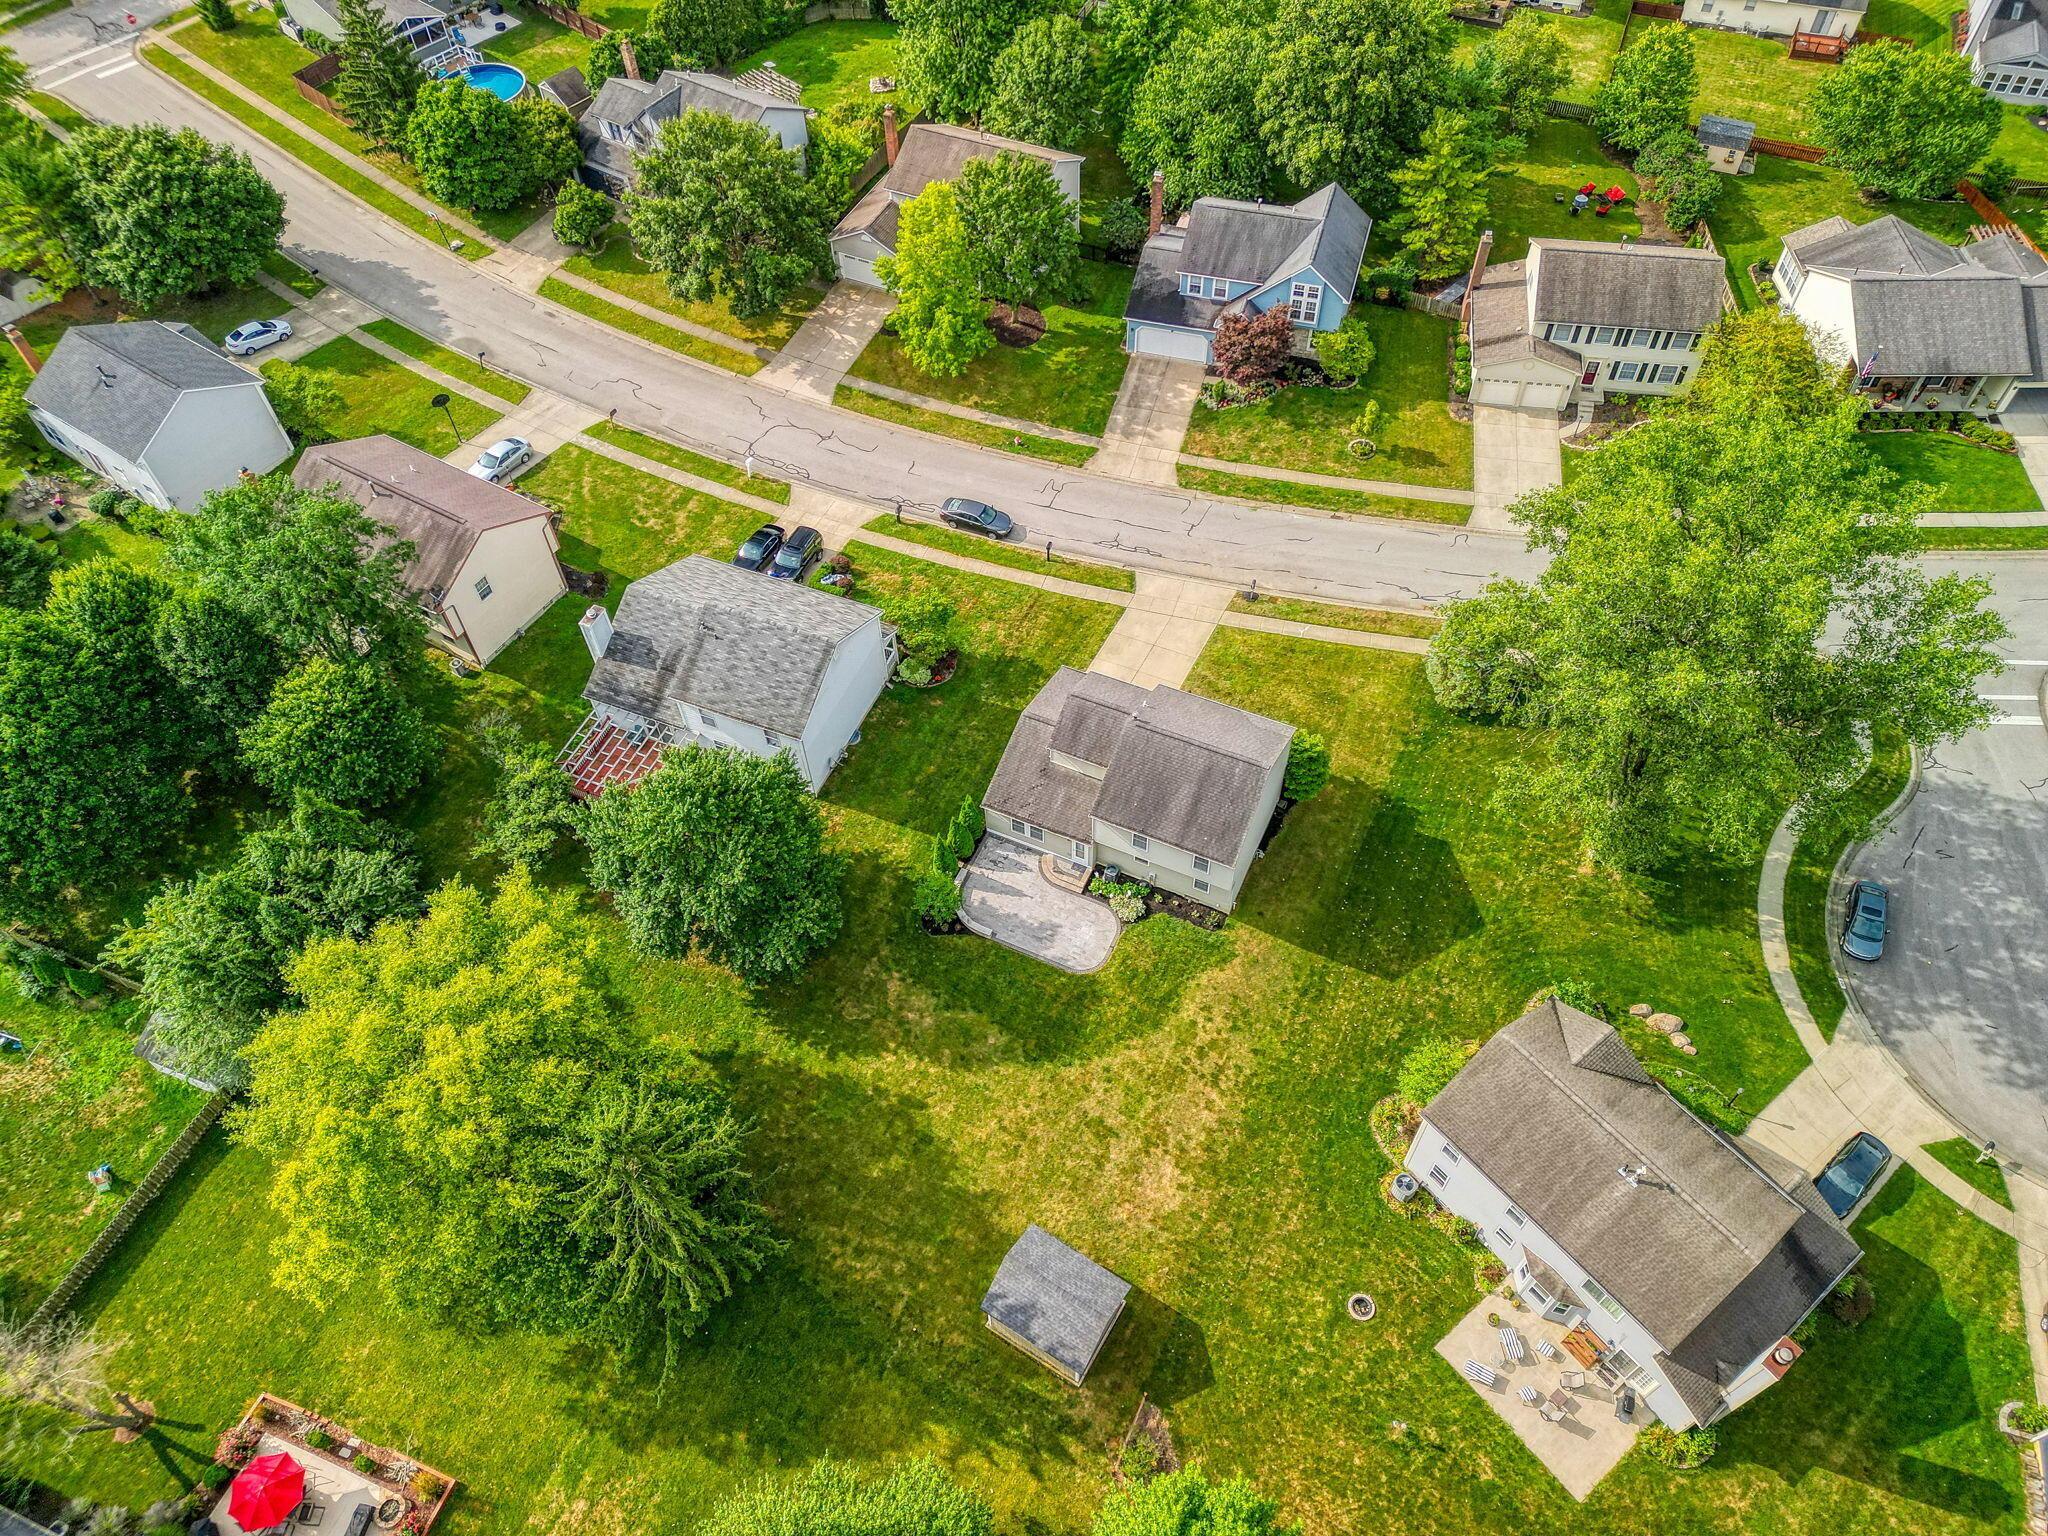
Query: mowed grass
[(457, 365), (75, 1098), (2024, 145), (1372, 621), (614, 266), (1965, 1159), (1919, 21), (1020, 556), (1966, 477), (703, 466), (833, 60), (1322, 498), (212, 314), (1058, 450), (617, 316), (1419, 441), (1591, 41), (2034, 537), (1523, 194), (379, 395), (537, 45), (1067, 379), (624, 520), (1753, 78)]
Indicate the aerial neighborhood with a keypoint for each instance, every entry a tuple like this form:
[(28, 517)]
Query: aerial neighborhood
[(980, 767)]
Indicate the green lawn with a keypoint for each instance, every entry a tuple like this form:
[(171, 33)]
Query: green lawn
[(663, 451), (1809, 932), (1754, 78), (1018, 556), (1068, 379), (1593, 40), (537, 45), (78, 1097), (623, 520), (1523, 196), (2034, 537), (1324, 498), (1964, 1158), (58, 111), (1372, 621), (833, 60), (292, 275), (213, 314), (1302, 428), (617, 268), (457, 365), (1966, 477), (620, 318), (1919, 21), (2024, 145), (849, 398), (379, 395)]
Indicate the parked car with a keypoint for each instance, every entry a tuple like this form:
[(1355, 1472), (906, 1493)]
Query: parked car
[(1848, 1178), (760, 548), (1869, 917), (255, 336), (799, 550), (976, 517), (501, 458)]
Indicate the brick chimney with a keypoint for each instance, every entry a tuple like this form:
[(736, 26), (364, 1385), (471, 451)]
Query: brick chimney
[(890, 143), (631, 64), (1157, 217), (1472, 278), (28, 353)]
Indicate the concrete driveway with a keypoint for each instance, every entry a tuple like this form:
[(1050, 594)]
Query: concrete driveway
[(1513, 452), (1149, 419), (2027, 420), (1005, 898), (814, 360)]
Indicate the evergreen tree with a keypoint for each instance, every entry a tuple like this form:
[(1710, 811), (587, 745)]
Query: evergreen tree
[(1441, 196), (379, 81)]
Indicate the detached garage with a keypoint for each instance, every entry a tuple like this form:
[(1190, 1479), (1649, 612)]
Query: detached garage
[(1167, 341)]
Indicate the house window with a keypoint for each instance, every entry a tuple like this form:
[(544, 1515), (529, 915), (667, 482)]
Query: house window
[(1201, 865), (1517, 1217), (1080, 849), (483, 587), (772, 739), (1505, 1240), (1669, 373), (1625, 373), (1564, 333), (1201, 885), (1607, 1303), (1451, 1152), (1603, 335), (1537, 1294), (1036, 834), (1681, 341), (1219, 287), (1017, 826), (1305, 302), (615, 133), (1138, 840), (1620, 1360), (1438, 1176)]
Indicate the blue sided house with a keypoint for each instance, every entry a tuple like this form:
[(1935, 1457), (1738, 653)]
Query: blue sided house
[(1228, 258)]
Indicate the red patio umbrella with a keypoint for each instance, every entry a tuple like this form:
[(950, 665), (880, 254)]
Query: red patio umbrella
[(265, 1492)]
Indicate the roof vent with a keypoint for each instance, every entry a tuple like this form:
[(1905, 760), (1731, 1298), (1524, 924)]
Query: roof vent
[(1632, 1176)]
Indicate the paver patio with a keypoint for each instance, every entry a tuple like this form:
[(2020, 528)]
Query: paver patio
[(1006, 898)]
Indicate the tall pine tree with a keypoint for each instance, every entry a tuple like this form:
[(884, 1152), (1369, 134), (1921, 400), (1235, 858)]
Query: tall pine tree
[(1442, 196), (378, 81)]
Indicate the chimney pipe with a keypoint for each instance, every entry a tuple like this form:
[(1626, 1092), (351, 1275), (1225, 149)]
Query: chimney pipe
[(631, 64), (1158, 214), (1472, 279), (28, 353), (890, 143), (596, 625)]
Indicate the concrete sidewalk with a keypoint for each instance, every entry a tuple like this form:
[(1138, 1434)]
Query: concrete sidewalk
[(1165, 626)]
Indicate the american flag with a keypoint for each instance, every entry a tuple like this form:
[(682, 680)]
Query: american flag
[(1869, 369)]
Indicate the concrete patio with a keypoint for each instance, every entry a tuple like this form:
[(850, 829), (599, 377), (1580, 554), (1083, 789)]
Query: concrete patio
[(1005, 897), (1583, 1446), (333, 1493)]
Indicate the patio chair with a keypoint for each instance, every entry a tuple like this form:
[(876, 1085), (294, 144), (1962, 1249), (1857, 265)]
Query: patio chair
[(1571, 1381), (1551, 1415), (1529, 1395), (1546, 1349), (1484, 1375)]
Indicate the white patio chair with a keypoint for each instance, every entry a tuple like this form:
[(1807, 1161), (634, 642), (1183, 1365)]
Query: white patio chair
[(1571, 1381), (1484, 1375), (1546, 1349), (1551, 1414)]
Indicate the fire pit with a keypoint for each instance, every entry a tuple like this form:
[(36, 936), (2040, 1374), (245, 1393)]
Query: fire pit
[(1361, 1307)]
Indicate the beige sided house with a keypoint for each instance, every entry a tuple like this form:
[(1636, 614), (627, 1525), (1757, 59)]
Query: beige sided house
[(1169, 787), (1780, 18), (484, 562)]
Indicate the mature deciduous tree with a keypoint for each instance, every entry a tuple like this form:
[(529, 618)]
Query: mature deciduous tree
[(916, 1498), (25, 568), (949, 49), (161, 214), (705, 34), (1442, 195), (1130, 35), (1043, 92), (1350, 89), (1908, 122), (379, 82), (1020, 228), (1731, 602), (1683, 178), (305, 400), (1196, 117), (724, 212), (530, 806), (841, 142), (940, 317), (1649, 92), (225, 664), (40, 220), (339, 730), (476, 151), (1526, 64), (1186, 1503), (582, 214), (720, 850)]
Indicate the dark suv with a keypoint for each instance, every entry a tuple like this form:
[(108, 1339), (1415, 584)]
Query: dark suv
[(803, 546), (760, 548)]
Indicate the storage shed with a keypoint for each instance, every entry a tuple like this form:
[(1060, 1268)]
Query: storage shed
[(1054, 1303)]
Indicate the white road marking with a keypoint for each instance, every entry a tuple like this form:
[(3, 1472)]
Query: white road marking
[(76, 74), (2019, 720), (83, 53), (116, 69)]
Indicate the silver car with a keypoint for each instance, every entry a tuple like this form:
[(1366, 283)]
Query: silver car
[(255, 336), (501, 458)]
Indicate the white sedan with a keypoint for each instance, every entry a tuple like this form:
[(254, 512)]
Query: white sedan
[(255, 336), (501, 458)]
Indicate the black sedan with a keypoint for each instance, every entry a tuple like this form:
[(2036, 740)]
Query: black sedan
[(760, 548), (976, 517), (1848, 1178), (803, 546)]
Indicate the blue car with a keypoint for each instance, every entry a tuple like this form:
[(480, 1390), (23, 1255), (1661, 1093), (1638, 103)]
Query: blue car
[(1869, 917), (1848, 1178)]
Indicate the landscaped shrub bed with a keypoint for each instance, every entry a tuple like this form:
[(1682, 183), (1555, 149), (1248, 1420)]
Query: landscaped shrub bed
[(1961, 424)]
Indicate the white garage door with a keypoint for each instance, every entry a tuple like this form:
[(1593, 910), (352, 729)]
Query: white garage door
[(1163, 341), (856, 269), (1530, 396)]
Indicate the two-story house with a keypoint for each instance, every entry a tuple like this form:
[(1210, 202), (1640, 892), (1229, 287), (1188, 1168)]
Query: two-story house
[(156, 408), (2006, 42), (427, 27), (929, 152), (483, 563), (1225, 257), (1926, 325), (1169, 787), (1779, 18), (1684, 1256), (628, 112), (1578, 320), (703, 652)]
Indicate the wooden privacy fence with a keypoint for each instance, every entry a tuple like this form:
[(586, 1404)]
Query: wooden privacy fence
[(1657, 12), (312, 81), (1992, 214), (575, 21)]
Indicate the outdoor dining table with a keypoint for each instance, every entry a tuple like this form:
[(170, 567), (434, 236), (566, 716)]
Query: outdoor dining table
[(1560, 1399)]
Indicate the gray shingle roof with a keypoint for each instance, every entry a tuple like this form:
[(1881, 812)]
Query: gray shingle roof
[(1664, 287), (2011, 31), (1177, 767), (1500, 320), (117, 383), (1060, 1300), (1715, 1249), (1155, 288), (438, 508), (1887, 244), (568, 89), (929, 152), (642, 106), (1258, 242), (734, 643), (2003, 251), (1725, 132)]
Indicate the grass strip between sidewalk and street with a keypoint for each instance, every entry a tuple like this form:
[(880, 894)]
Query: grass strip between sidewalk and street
[(604, 312), (447, 360), (1963, 1158), (1369, 621), (1326, 498), (2026, 536), (980, 433), (59, 111), (689, 461), (34, 13), (295, 277), (343, 175), (1018, 557)]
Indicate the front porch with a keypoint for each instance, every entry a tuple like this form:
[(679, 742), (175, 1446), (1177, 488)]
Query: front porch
[(1980, 395)]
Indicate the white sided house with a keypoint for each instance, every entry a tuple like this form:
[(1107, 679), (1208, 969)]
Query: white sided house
[(1169, 787), (628, 112), (2007, 45), (483, 564), (929, 152), (1779, 18), (1686, 1255), (1578, 320), (1926, 325), (705, 653), (156, 408)]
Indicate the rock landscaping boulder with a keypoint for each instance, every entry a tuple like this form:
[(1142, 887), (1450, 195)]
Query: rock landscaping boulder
[(1639, 1010), (1681, 1041), (1665, 1023)]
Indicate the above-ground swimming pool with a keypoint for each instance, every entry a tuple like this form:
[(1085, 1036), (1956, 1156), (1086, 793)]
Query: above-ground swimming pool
[(501, 80)]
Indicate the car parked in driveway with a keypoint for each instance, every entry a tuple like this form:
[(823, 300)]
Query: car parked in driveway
[(1869, 918), (501, 458), (976, 517), (255, 336), (799, 550), (759, 548), (1849, 1177)]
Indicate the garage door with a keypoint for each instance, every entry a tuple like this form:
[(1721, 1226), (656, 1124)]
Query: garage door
[(1161, 341), (856, 269), (1529, 396)]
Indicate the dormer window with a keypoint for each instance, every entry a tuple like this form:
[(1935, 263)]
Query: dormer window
[(615, 133)]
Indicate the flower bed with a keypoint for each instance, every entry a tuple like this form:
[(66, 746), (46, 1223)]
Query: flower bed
[(422, 1491)]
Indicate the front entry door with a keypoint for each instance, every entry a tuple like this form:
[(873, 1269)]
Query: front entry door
[(1591, 375), (1823, 22)]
